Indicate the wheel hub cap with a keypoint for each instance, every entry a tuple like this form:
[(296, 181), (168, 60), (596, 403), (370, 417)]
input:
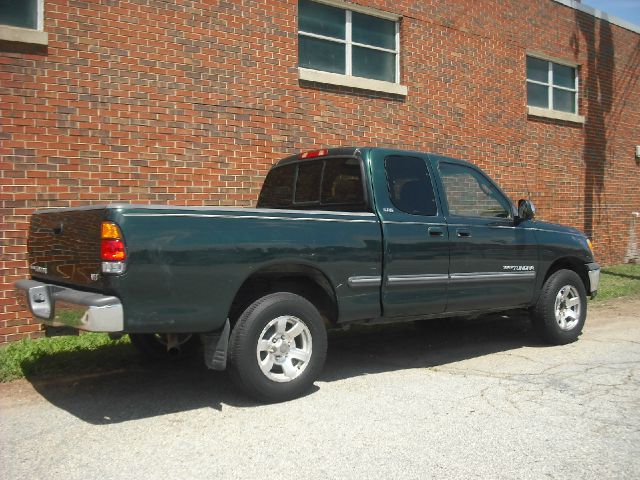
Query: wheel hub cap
[(567, 307), (284, 348)]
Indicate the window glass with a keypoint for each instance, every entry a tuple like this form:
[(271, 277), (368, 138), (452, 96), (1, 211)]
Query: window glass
[(19, 13), (277, 190), (342, 184), (308, 182), (537, 95), (564, 101), (537, 70), (374, 64), (325, 42), (410, 185), (564, 76), (551, 85), (333, 184), (470, 194), (373, 31), (321, 55), (321, 19)]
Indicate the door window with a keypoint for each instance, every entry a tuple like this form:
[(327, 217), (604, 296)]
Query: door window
[(410, 186), (470, 194)]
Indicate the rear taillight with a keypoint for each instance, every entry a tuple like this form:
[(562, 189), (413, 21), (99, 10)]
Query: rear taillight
[(112, 249)]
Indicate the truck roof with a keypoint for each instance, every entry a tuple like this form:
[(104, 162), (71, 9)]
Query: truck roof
[(330, 152), (353, 151)]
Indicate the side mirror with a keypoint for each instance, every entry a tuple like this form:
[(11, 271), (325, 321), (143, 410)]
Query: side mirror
[(526, 210)]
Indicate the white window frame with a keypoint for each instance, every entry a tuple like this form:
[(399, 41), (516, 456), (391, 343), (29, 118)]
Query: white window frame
[(551, 112), (348, 79), (35, 36)]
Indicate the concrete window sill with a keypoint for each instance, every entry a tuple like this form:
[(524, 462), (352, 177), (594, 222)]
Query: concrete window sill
[(23, 35), (555, 114), (353, 82)]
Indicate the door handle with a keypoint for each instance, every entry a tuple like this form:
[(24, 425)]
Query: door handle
[(436, 231), (463, 232)]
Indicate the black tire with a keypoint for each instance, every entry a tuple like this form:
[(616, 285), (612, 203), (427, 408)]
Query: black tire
[(251, 327), (154, 345), (543, 316)]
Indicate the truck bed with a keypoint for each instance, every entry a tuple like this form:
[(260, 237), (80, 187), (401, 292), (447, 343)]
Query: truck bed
[(185, 264)]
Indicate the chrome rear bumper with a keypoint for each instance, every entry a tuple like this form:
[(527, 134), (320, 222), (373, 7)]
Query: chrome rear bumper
[(65, 307)]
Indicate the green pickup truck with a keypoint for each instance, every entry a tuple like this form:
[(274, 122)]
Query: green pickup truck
[(339, 236)]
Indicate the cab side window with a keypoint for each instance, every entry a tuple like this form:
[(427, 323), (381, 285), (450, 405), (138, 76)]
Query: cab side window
[(410, 186), (470, 194)]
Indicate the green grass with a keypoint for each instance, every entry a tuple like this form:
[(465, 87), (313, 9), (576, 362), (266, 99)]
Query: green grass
[(95, 352), (71, 355), (619, 281)]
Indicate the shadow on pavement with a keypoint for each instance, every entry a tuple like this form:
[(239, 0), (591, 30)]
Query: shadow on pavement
[(425, 344), (148, 390)]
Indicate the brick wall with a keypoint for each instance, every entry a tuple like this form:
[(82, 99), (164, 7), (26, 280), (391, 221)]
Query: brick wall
[(190, 102)]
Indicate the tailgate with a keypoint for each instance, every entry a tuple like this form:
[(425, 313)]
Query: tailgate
[(64, 246)]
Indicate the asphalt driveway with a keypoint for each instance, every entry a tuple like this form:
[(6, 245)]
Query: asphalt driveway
[(468, 399)]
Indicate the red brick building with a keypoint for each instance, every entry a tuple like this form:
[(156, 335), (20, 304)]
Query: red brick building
[(191, 101)]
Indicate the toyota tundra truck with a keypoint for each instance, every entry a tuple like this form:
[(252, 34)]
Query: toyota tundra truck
[(338, 237)]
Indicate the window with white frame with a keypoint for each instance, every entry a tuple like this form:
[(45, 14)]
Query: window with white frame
[(22, 13), (552, 85), (347, 42)]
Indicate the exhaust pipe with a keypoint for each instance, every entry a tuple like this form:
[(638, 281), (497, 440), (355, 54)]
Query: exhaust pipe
[(173, 345)]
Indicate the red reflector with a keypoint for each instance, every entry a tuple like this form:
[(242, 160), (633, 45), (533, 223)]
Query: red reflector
[(314, 153), (112, 250)]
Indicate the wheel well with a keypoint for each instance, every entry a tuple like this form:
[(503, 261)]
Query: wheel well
[(302, 280), (570, 263)]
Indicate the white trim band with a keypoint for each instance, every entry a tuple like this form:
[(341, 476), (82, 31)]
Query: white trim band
[(23, 35), (549, 58), (354, 7), (351, 81), (555, 114)]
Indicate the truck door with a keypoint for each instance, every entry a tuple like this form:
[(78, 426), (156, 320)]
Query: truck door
[(415, 238), (493, 260)]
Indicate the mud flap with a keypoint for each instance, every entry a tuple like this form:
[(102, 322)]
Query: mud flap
[(215, 348)]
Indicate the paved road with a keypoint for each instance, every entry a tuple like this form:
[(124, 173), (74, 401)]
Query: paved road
[(474, 399)]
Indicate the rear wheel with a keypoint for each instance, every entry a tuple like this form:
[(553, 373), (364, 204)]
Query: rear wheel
[(277, 347), (561, 310), (161, 346)]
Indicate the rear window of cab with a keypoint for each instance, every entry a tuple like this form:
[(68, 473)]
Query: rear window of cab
[(328, 184)]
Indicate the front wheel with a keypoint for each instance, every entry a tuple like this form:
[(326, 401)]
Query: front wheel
[(277, 347), (561, 310)]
